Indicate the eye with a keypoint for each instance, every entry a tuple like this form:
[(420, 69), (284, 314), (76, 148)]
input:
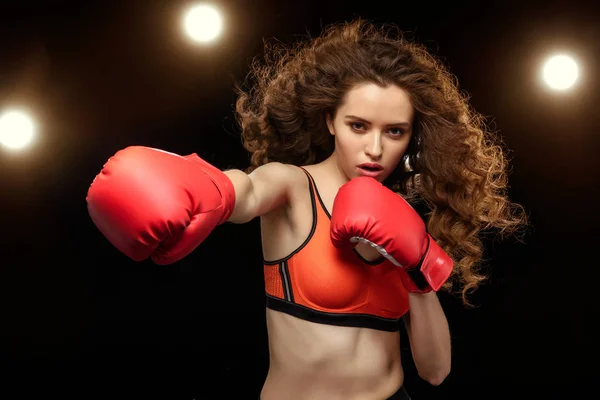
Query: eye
[(396, 131), (357, 126)]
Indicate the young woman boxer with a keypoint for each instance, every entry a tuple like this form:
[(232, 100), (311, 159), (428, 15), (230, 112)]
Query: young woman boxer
[(344, 131)]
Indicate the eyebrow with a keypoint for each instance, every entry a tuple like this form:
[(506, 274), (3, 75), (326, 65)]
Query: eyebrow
[(405, 125)]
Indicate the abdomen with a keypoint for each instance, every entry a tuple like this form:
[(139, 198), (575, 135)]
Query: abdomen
[(310, 360)]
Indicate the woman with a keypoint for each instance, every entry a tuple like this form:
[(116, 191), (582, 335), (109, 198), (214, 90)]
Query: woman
[(345, 258)]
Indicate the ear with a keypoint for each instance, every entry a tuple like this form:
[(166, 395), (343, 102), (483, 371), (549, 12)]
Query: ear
[(329, 121)]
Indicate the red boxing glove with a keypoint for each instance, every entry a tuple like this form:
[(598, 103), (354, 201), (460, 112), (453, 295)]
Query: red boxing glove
[(153, 204), (366, 211)]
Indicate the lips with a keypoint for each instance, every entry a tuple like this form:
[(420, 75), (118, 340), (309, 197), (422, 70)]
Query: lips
[(370, 170), (373, 167)]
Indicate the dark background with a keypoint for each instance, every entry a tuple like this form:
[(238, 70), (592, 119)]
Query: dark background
[(77, 317)]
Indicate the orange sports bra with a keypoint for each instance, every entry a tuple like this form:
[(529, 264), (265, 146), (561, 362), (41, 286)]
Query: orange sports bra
[(320, 283)]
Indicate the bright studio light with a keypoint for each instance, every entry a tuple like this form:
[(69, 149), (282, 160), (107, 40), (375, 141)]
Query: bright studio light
[(16, 129), (560, 72), (202, 23)]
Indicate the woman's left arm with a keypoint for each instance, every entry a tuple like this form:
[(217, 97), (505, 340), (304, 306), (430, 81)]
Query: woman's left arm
[(429, 337)]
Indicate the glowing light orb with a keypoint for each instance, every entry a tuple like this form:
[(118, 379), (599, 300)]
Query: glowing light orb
[(203, 23), (16, 129), (560, 72)]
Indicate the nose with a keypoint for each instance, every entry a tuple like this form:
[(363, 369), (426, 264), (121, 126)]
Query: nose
[(374, 146)]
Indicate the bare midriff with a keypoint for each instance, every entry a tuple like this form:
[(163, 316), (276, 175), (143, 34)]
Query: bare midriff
[(317, 361)]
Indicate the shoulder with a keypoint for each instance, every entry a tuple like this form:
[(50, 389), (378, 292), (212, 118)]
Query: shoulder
[(280, 173), (296, 181), (287, 180), (279, 179), (296, 177)]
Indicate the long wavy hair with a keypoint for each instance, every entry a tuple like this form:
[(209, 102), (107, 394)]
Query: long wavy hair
[(453, 166)]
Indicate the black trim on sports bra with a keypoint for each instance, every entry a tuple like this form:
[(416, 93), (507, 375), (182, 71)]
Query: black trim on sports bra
[(321, 317)]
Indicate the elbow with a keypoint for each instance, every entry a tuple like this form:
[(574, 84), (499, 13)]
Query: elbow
[(437, 380), (436, 377)]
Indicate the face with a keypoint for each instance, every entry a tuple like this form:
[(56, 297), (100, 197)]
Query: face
[(372, 129)]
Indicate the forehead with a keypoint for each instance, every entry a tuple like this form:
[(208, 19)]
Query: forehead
[(374, 102)]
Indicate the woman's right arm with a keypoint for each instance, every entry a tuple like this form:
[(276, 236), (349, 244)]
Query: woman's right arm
[(266, 188), (150, 203)]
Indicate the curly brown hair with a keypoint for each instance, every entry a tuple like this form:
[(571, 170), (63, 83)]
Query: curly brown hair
[(453, 164)]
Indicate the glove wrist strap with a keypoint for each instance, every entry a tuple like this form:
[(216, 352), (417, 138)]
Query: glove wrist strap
[(414, 281)]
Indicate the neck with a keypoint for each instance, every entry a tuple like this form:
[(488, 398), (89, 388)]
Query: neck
[(331, 167)]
